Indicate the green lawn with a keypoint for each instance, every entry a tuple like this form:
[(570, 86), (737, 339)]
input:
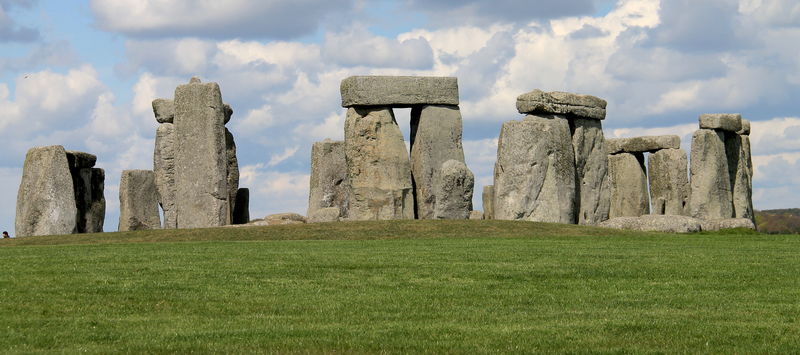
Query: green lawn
[(401, 287)]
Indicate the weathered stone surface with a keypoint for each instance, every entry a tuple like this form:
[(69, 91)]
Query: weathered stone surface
[(488, 201), (378, 166), (534, 177), (329, 184), (327, 214), (284, 218), (629, 196), (731, 122), (228, 112), (200, 157), (164, 110), (593, 188), (556, 102), (79, 160), (399, 91), (435, 139), (727, 223), (138, 201), (642, 144), (740, 171), (745, 131), (710, 178), (46, 198), (655, 223), (241, 212), (232, 177), (476, 215), (669, 182), (164, 170), (453, 191), (90, 199)]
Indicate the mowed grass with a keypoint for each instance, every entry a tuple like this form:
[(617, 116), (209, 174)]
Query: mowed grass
[(401, 287)]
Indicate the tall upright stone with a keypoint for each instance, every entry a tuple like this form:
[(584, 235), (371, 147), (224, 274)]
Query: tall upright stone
[(534, 176), (88, 184), (378, 165), (138, 201), (488, 202), (95, 215), (201, 159), (453, 191), (740, 169), (629, 196), (241, 212), (435, 139), (46, 197), (164, 169), (329, 184), (669, 182), (710, 178), (591, 168), (232, 176)]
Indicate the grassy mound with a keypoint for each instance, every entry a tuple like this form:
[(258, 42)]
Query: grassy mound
[(402, 286)]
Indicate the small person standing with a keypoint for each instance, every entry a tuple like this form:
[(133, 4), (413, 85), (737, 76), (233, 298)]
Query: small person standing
[(5, 235)]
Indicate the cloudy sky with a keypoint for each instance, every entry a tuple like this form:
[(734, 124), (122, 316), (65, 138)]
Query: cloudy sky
[(83, 73)]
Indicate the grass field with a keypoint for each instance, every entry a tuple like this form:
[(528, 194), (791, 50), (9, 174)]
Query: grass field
[(407, 287)]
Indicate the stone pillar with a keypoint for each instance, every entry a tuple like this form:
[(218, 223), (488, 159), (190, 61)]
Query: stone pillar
[(629, 196), (669, 182), (593, 188), (488, 201), (435, 139), (200, 157), (232, 176), (534, 176), (453, 190), (164, 169), (378, 165), (710, 178), (88, 184), (138, 201), (241, 212), (46, 197), (743, 178), (329, 184)]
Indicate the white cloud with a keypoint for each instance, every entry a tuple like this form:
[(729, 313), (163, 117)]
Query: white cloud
[(287, 153), (359, 47)]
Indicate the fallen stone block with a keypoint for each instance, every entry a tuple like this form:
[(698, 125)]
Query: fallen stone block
[(284, 218), (399, 91), (561, 103), (727, 223), (655, 223), (731, 122)]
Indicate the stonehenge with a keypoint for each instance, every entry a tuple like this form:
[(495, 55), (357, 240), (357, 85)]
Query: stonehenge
[(61, 192), (329, 184), (138, 201)]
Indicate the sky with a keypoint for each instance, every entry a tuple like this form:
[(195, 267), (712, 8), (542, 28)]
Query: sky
[(82, 74)]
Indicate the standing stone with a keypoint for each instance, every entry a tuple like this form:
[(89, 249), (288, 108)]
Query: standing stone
[(534, 177), (241, 212), (710, 180), (46, 198), (90, 200), (488, 201), (329, 184), (593, 188), (138, 201), (232, 169), (737, 148), (669, 182), (327, 214), (453, 191), (164, 169), (629, 197), (377, 165), (200, 157), (435, 139)]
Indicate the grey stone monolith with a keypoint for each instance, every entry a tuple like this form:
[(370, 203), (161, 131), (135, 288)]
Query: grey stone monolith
[(164, 110), (669, 182), (737, 149), (200, 156), (435, 139), (629, 195), (329, 185), (642, 144), (730, 122), (710, 179), (90, 199), (399, 91), (656, 223), (46, 198), (232, 176), (534, 176), (327, 214), (241, 212), (488, 201), (138, 201), (164, 170), (378, 166), (564, 103), (593, 188), (453, 189)]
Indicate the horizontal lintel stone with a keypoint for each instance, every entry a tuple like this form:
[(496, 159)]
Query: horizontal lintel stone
[(557, 102), (642, 144), (745, 131), (731, 122), (399, 91)]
